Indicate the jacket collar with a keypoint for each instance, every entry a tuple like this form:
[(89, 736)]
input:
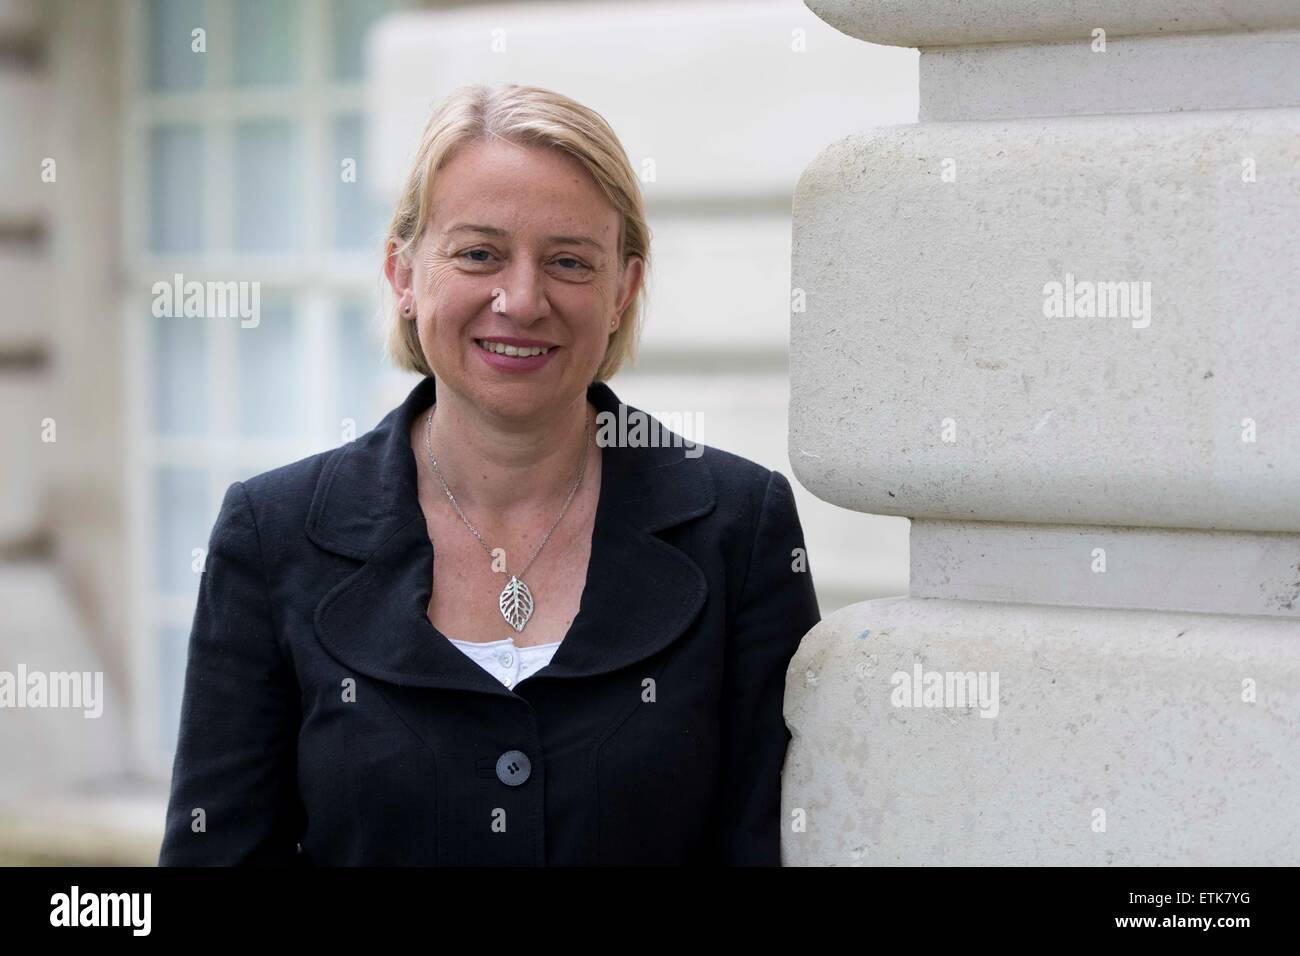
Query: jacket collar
[(641, 593)]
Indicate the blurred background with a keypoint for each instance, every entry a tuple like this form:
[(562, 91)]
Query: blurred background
[(262, 142)]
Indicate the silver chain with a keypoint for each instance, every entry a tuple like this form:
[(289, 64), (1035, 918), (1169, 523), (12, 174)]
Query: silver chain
[(586, 430)]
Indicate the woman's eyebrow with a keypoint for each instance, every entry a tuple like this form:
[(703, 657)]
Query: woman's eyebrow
[(501, 234)]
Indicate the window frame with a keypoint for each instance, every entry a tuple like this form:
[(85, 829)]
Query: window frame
[(320, 279)]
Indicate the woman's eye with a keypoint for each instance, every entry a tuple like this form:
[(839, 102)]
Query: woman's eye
[(484, 256)]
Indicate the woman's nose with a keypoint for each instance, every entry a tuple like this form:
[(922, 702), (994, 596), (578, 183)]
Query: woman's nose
[(523, 295)]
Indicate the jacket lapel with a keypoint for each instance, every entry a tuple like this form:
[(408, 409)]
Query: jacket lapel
[(641, 593)]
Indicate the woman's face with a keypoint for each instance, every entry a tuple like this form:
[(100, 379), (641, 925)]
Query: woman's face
[(521, 248)]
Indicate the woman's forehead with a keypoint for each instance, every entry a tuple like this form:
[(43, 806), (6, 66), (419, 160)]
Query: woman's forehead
[(591, 225), (498, 173)]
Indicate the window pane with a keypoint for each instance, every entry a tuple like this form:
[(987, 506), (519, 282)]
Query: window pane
[(360, 364), (182, 522), (173, 63), (266, 50), (349, 21), (358, 216), (173, 648), (175, 188), (269, 384), (181, 394), (266, 176)]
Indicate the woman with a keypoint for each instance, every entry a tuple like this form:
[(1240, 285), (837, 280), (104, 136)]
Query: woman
[(493, 630)]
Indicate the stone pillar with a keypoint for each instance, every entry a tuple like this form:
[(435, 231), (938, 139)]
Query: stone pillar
[(1055, 324)]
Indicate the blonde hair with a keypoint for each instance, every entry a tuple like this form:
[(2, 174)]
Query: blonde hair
[(525, 116)]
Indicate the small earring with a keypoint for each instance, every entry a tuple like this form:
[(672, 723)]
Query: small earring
[(406, 310)]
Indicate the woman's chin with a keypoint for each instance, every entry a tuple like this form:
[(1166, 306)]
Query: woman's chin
[(517, 399)]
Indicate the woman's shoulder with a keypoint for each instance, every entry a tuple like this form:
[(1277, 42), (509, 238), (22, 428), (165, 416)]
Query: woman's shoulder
[(281, 497), (660, 440), (733, 473), (752, 489), (740, 486), (292, 478)]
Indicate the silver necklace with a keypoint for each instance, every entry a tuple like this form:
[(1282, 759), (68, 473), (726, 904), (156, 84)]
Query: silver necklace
[(516, 601)]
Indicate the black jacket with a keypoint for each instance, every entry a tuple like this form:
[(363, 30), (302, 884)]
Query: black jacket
[(325, 721)]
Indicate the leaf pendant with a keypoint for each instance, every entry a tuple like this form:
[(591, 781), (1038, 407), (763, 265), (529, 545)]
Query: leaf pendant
[(516, 603)]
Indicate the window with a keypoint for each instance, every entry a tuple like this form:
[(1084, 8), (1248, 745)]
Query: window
[(245, 173)]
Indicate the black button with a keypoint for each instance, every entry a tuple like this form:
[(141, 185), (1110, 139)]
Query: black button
[(513, 768)]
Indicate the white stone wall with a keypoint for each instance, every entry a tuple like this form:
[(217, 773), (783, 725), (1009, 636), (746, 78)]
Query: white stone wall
[(1099, 659)]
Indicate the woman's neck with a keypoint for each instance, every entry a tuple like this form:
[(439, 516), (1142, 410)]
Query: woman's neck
[(499, 467)]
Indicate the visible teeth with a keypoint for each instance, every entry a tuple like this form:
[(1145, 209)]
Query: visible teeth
[(500, 349)]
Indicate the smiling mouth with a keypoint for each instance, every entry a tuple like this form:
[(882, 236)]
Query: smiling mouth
[(499, 348)]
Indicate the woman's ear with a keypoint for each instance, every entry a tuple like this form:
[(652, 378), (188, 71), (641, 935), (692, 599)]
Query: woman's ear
[(398, 270), (630, 279)]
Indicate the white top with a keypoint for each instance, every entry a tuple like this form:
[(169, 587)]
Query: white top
[(504, 661)]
